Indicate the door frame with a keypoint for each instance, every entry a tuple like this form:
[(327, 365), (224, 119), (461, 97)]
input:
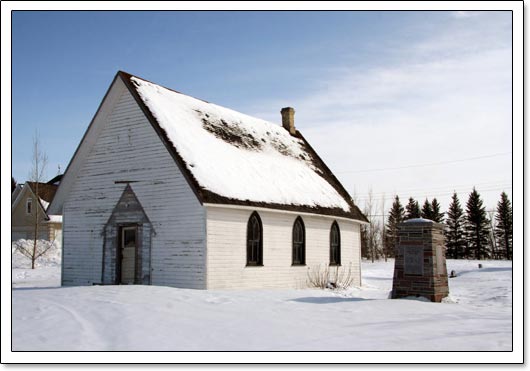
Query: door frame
[(121, 228)]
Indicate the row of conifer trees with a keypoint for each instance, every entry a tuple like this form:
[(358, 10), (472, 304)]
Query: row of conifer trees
[(473, 233)]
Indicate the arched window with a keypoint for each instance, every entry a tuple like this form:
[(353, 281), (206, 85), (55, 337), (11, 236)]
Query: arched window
[(254, 240), (334, 244), (298, 242)]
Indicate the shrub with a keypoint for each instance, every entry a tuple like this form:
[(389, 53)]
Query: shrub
[(330, 277)]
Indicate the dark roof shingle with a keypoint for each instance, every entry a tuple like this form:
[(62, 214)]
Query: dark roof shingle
[(243, 132), (46, 191)]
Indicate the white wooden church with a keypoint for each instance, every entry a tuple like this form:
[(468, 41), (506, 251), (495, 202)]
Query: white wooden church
[(166, 189)]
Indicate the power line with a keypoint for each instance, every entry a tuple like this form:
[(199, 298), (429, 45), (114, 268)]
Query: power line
[(391, 196), (444, 188), (425, 164), (383, 215)]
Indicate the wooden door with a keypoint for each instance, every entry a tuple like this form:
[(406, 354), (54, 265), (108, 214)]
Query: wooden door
[(128, 254)]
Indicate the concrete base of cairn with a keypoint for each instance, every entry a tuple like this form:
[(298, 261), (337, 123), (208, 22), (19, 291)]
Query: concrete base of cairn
[(420, 268)]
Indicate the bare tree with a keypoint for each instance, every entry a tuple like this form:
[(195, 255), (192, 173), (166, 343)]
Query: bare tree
[(365, 252), (371, 232), (39, 161), (383, 229), (368, 211)]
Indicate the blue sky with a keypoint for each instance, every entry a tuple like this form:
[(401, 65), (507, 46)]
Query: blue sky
[(372, 90)]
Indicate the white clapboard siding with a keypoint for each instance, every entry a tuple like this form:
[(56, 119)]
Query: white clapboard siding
[(128, 148), (226, 254)]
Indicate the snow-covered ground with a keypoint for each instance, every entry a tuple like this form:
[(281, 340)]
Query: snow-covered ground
[(48, 272), (476, 317)]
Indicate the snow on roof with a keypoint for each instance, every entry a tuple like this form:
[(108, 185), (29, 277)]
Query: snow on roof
[(44, 204), (238, 156), (55, 218)]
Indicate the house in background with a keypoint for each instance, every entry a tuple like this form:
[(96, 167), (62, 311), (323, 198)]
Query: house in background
[(24, 208), (166, 189)]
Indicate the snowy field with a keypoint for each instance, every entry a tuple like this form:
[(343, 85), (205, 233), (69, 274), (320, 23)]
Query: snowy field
[(476, 317)]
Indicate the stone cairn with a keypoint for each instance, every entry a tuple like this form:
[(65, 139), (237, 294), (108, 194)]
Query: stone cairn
[(420, 268)]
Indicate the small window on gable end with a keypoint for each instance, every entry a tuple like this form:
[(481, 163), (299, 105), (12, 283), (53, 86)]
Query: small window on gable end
[(334, 244), (29, 205), (298, 242), (254, 240)]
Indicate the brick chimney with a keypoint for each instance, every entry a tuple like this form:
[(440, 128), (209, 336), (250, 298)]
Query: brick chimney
[(288, 119)]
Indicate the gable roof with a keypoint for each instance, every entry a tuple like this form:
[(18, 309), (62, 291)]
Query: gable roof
[(16, 192), (232, 158), (46, 195)]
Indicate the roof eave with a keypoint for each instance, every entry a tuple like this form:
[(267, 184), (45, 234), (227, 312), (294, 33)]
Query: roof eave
[(61, 185), (336, 184), (194, 185), (213, 198)]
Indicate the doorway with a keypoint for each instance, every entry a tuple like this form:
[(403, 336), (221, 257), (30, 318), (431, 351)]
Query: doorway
[(128, 249), (127, 243)]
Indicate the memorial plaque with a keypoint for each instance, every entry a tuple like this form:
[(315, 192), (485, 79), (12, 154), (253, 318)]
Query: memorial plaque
[(413, 260), (420, 268), (439, 259)]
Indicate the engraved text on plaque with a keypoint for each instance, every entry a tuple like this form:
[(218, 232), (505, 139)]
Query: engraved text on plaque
[(413, 259)]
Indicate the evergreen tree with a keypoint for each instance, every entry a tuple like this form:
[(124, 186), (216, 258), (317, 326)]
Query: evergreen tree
[(437, 216), (503, 229), (396, 216), (454, 234), (477, 227), (426, 210), (13, 184), (413, 209)]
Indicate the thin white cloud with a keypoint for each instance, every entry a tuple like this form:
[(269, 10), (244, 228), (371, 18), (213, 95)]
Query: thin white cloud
[(448, 98), (465, 14)]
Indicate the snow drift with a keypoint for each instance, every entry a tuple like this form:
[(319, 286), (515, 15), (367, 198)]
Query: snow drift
[(476, 317)]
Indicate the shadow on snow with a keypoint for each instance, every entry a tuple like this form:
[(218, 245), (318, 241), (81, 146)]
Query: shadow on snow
[(35, 288), (477, 270), (327, 300)]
